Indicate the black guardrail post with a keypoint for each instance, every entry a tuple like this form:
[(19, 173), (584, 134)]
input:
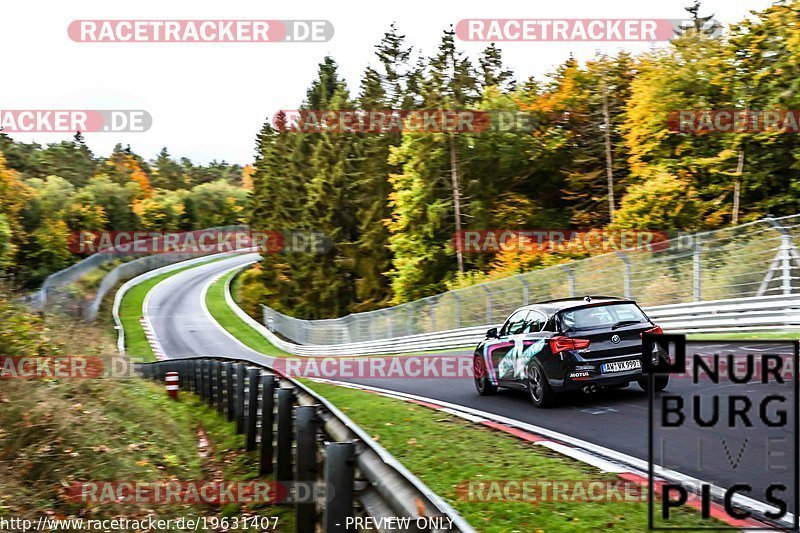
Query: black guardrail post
[(215, 384), (180, 367), (203, 380), (187, 370), (284, 451), (229, 391), (220, 386), (239, 371), (267, 422), (251, 427), (211, 385), (340, 458), (195, 382), (198, 378), (207, 381), (305, 474)]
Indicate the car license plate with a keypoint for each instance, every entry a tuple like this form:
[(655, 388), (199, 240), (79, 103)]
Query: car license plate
[(621, 366)]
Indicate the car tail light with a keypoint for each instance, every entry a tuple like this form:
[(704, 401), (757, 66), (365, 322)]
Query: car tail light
[(562, 344), (656, 330)]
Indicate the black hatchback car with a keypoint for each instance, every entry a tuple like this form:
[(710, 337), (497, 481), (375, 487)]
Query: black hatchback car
[(585, 344)]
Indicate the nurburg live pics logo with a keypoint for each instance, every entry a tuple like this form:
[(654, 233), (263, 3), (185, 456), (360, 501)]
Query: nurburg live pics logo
[(733, 427)]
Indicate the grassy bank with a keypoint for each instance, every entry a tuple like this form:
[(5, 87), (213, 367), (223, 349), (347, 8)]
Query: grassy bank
[(58, 433)]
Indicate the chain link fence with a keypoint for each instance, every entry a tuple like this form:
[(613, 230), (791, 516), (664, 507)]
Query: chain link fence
[(755, 259)]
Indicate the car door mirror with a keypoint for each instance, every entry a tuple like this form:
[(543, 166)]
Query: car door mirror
[(492, 333)]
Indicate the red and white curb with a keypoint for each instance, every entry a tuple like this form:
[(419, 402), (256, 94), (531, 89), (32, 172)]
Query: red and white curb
[(152, 339), (626, 467)]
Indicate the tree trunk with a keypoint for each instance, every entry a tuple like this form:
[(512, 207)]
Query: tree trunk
[(456, 199), (737, 187), (609, 160)]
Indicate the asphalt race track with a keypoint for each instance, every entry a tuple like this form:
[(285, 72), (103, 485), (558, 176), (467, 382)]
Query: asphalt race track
[(616, 419)]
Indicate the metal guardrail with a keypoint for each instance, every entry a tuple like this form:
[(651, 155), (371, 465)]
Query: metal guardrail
[(751, 260), (302, 438), (737, 314), (53, 294), (740, 314)]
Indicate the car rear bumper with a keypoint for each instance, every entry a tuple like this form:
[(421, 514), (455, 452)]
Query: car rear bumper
[(590, 372)]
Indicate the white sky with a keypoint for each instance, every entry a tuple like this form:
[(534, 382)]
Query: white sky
[(208, 101)]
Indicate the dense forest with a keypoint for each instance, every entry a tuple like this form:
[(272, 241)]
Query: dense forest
[(48, 193), (601, 154)]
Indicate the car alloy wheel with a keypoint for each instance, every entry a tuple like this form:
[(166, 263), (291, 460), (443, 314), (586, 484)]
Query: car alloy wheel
[(535, 384)]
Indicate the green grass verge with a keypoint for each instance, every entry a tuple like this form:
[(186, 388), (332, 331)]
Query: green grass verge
[(445, 452), (130, 313), (224, 315)]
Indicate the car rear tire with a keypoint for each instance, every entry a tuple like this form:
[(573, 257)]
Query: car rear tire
[(542, 395), (660, 383), (482, 383)]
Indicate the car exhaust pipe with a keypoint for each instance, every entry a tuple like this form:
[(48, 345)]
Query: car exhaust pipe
[(588, 389)]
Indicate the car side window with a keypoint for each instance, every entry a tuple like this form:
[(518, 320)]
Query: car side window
[(534, 322), (514, 324)]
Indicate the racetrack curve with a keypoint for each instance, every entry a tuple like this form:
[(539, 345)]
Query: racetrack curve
[(615, 419)]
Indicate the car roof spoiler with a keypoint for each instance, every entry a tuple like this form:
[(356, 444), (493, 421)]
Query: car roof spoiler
[(588, 298)]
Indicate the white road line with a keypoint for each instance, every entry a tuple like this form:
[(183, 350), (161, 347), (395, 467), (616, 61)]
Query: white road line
[(754, 349), (598, 410), (146, 317), (579, 455)]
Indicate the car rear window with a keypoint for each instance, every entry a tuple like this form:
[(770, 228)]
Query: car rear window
[(601, 316)]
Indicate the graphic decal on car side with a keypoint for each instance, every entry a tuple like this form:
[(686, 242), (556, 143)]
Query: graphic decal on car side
[(487, 356), (516, 360)]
